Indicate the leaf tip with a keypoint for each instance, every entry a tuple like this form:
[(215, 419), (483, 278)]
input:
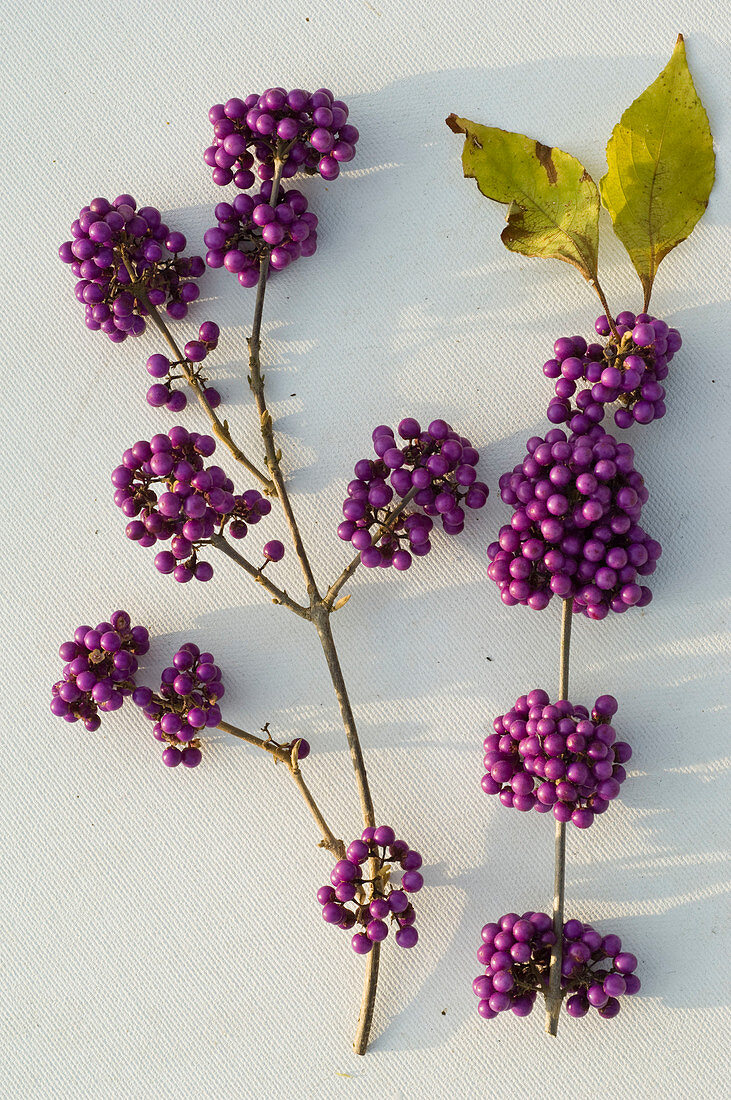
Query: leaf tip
[(452, 122)]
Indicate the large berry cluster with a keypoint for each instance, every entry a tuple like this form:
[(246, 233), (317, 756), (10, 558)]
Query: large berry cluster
[(516, 954), (438, 463), (628, 369), (160, 367), (312, 126), (117, 251), (387, 901), (195, 500), (186, 703), (556, 756), (250, 229), (99, 671), (574, 531)]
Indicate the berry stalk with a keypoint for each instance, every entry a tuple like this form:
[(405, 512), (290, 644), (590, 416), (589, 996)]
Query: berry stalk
[(605, 305), (554, 997)]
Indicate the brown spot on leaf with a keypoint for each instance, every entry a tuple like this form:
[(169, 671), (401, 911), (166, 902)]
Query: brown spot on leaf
[(543, 152)]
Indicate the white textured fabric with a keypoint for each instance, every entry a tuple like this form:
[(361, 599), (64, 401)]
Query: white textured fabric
[(160, 936)]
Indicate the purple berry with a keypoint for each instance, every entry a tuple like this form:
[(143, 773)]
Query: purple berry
[(274, 550)]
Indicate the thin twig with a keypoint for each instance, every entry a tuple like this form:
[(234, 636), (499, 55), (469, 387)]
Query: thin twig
[(256, 382), (388, 524), (279, 595), (368, 1003), (290, 758), (318, 611), (553, 998), (329, 841), (321, 618), (269, 746), (219, 428)]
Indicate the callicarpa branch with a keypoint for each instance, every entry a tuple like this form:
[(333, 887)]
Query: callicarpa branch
[(577, 499)]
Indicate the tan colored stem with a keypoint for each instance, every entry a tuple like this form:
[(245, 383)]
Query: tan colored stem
[(279, 595), (251, 739), (318, 612), (321, 619), (290, 758), (218, 427), (368, 1002), (256, 382)]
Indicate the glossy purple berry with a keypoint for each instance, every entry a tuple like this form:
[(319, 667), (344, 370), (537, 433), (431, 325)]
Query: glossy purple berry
[(274, 550)]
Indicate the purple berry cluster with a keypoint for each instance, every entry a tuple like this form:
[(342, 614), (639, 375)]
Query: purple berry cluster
[(312, 127), (575, 528), (555, 756), (628, 369), (99, 669), (161, 392), (116, 252), (250, 229), (387, 901), (438, 463), (516, 953), (186, 703), (195, 500)]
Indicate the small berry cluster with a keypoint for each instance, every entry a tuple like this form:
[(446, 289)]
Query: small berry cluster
[(438, 463), (186, 703), (161, 393), (117, 252), (629, 369), (574, 530), (312, 126), (387, 901), (250, 229), (546, 756), (99, 671), (516, 954), (194, 503)]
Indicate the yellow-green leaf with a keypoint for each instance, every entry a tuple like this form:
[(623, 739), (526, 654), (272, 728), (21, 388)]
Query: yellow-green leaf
[(660, 168), (553, 203)]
